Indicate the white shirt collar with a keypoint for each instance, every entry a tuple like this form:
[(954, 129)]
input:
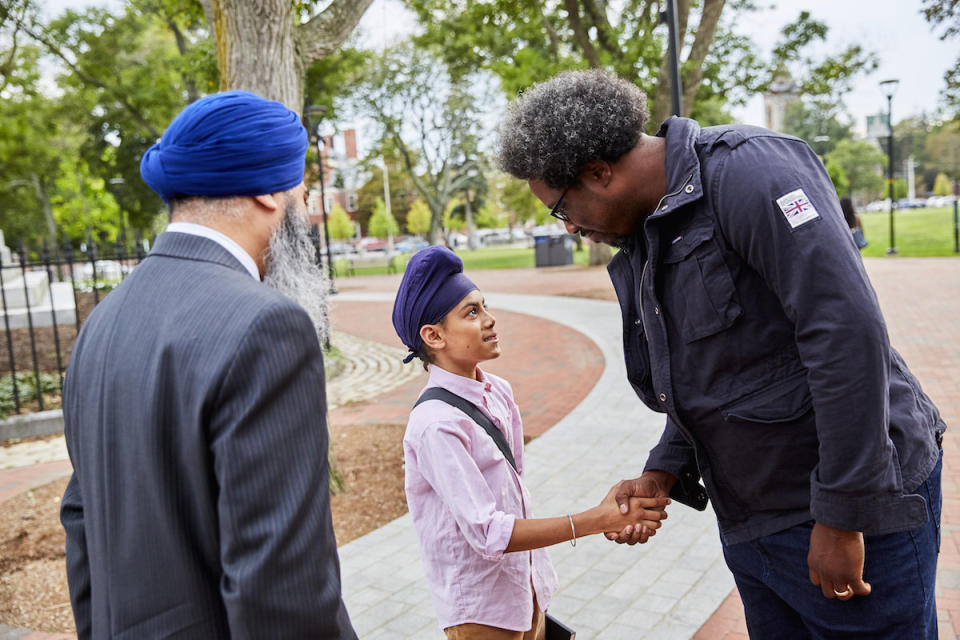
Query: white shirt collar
[(224, 241)]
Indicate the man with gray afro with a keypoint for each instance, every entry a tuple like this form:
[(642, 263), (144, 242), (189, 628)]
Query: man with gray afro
[(749, 320)]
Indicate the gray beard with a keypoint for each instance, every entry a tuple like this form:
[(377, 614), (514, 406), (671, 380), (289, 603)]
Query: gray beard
[(291, 269)]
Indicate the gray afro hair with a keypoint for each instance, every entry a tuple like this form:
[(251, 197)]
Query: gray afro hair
[(556, 127)]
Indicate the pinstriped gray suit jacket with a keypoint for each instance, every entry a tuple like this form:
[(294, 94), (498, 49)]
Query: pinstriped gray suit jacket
[(194, 410)]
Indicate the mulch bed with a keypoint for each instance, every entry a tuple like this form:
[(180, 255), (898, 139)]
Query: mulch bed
[(33, 580)]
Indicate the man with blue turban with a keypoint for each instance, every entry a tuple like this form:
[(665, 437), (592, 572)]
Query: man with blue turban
[(194, 403)]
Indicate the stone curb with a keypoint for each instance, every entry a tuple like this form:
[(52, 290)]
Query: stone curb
[(42, 423)]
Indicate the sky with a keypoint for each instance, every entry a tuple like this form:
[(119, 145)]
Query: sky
[(907, 48)]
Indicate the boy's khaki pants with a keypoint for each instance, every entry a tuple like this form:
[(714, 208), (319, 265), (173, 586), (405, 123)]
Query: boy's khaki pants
[(472, 631)]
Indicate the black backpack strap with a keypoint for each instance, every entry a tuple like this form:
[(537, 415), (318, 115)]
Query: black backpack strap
[(439, 393)]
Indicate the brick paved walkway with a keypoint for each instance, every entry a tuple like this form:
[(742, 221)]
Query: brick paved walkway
[(921, 302)]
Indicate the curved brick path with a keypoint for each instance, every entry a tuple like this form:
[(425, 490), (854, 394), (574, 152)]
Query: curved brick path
[(921, 302)]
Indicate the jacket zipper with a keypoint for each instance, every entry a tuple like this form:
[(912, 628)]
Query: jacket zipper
[(646, 262)]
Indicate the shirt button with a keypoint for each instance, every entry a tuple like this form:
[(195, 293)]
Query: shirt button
[(689, 188), (663, 208), (638, 322), (663, 397), (656, 310), (487, 387)]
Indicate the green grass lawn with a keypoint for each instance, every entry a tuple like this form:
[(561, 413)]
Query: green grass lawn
[(918, 232), (477, 259)]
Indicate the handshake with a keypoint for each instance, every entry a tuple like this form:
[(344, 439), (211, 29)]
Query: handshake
[(633, 510)]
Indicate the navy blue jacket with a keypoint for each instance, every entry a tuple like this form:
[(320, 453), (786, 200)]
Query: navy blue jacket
[(748, 319)]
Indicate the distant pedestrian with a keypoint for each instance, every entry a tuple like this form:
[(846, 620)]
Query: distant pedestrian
[(194, 403), (480, 544), (853, 221)]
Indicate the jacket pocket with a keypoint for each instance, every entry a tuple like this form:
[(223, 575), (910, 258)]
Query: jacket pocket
[(698, 288), (767, 446), (783, 401)]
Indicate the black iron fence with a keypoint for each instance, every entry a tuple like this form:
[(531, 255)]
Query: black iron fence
[(45, 295)]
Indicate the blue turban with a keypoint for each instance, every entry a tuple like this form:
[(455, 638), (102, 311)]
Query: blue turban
[(432, 285), (228, 144)]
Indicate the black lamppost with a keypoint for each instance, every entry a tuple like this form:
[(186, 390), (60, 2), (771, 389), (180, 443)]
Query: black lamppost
[(669, 15), (314, 131), (889, 87)]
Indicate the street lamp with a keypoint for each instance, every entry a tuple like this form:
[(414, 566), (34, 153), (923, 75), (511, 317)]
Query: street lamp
[(314, 130), (889, 87)]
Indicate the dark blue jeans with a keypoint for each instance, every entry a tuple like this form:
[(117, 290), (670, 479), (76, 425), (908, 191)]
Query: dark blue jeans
[(781, 602)]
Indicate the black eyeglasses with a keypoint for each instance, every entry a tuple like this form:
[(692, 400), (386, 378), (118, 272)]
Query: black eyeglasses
[(556, 212)]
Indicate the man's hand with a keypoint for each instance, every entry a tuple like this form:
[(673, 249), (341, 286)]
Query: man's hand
[(836, 562), (652, 484)]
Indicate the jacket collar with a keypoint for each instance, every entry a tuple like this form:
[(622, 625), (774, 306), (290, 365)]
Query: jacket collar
[(191, 247), (682, 165)]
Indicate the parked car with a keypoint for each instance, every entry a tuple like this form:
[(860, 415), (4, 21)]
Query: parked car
[(878, 205), (907, 203), (371, 244), (941, 201), (411, 245), (340, 248)]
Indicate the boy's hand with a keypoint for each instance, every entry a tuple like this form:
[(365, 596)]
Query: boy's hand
[(639, 513), (652, 484)]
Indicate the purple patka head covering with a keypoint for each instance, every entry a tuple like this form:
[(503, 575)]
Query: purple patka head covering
[(432, 285), (233, 143)]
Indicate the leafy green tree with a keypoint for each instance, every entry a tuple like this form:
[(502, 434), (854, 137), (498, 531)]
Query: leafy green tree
[(521, 204), (838, 176), (490, 216), (829, 77), (818, 122), (402, 192), (453, 222), (440, 151), (418, 218), (946, 13), (526, 42), (266, 46), (942, 186), (862, 163), (900, 188), (382, 224), (943, 147), (341, 226), (82, 205)]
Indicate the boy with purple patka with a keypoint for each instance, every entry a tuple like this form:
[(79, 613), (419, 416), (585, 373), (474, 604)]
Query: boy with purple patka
[(482, 550)]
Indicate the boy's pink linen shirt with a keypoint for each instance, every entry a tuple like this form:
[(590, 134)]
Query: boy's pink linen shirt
[(464, 497)]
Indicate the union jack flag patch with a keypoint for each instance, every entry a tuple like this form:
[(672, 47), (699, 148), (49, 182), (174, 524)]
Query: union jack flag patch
[(798, 209)]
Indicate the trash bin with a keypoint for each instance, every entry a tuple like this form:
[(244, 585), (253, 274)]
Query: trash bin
[(553, 250)]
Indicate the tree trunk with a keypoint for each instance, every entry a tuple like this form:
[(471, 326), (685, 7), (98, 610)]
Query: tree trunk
[(41, 193), (468, 214), (257, 50), (709, 18), (260, 48), (580, 34)]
